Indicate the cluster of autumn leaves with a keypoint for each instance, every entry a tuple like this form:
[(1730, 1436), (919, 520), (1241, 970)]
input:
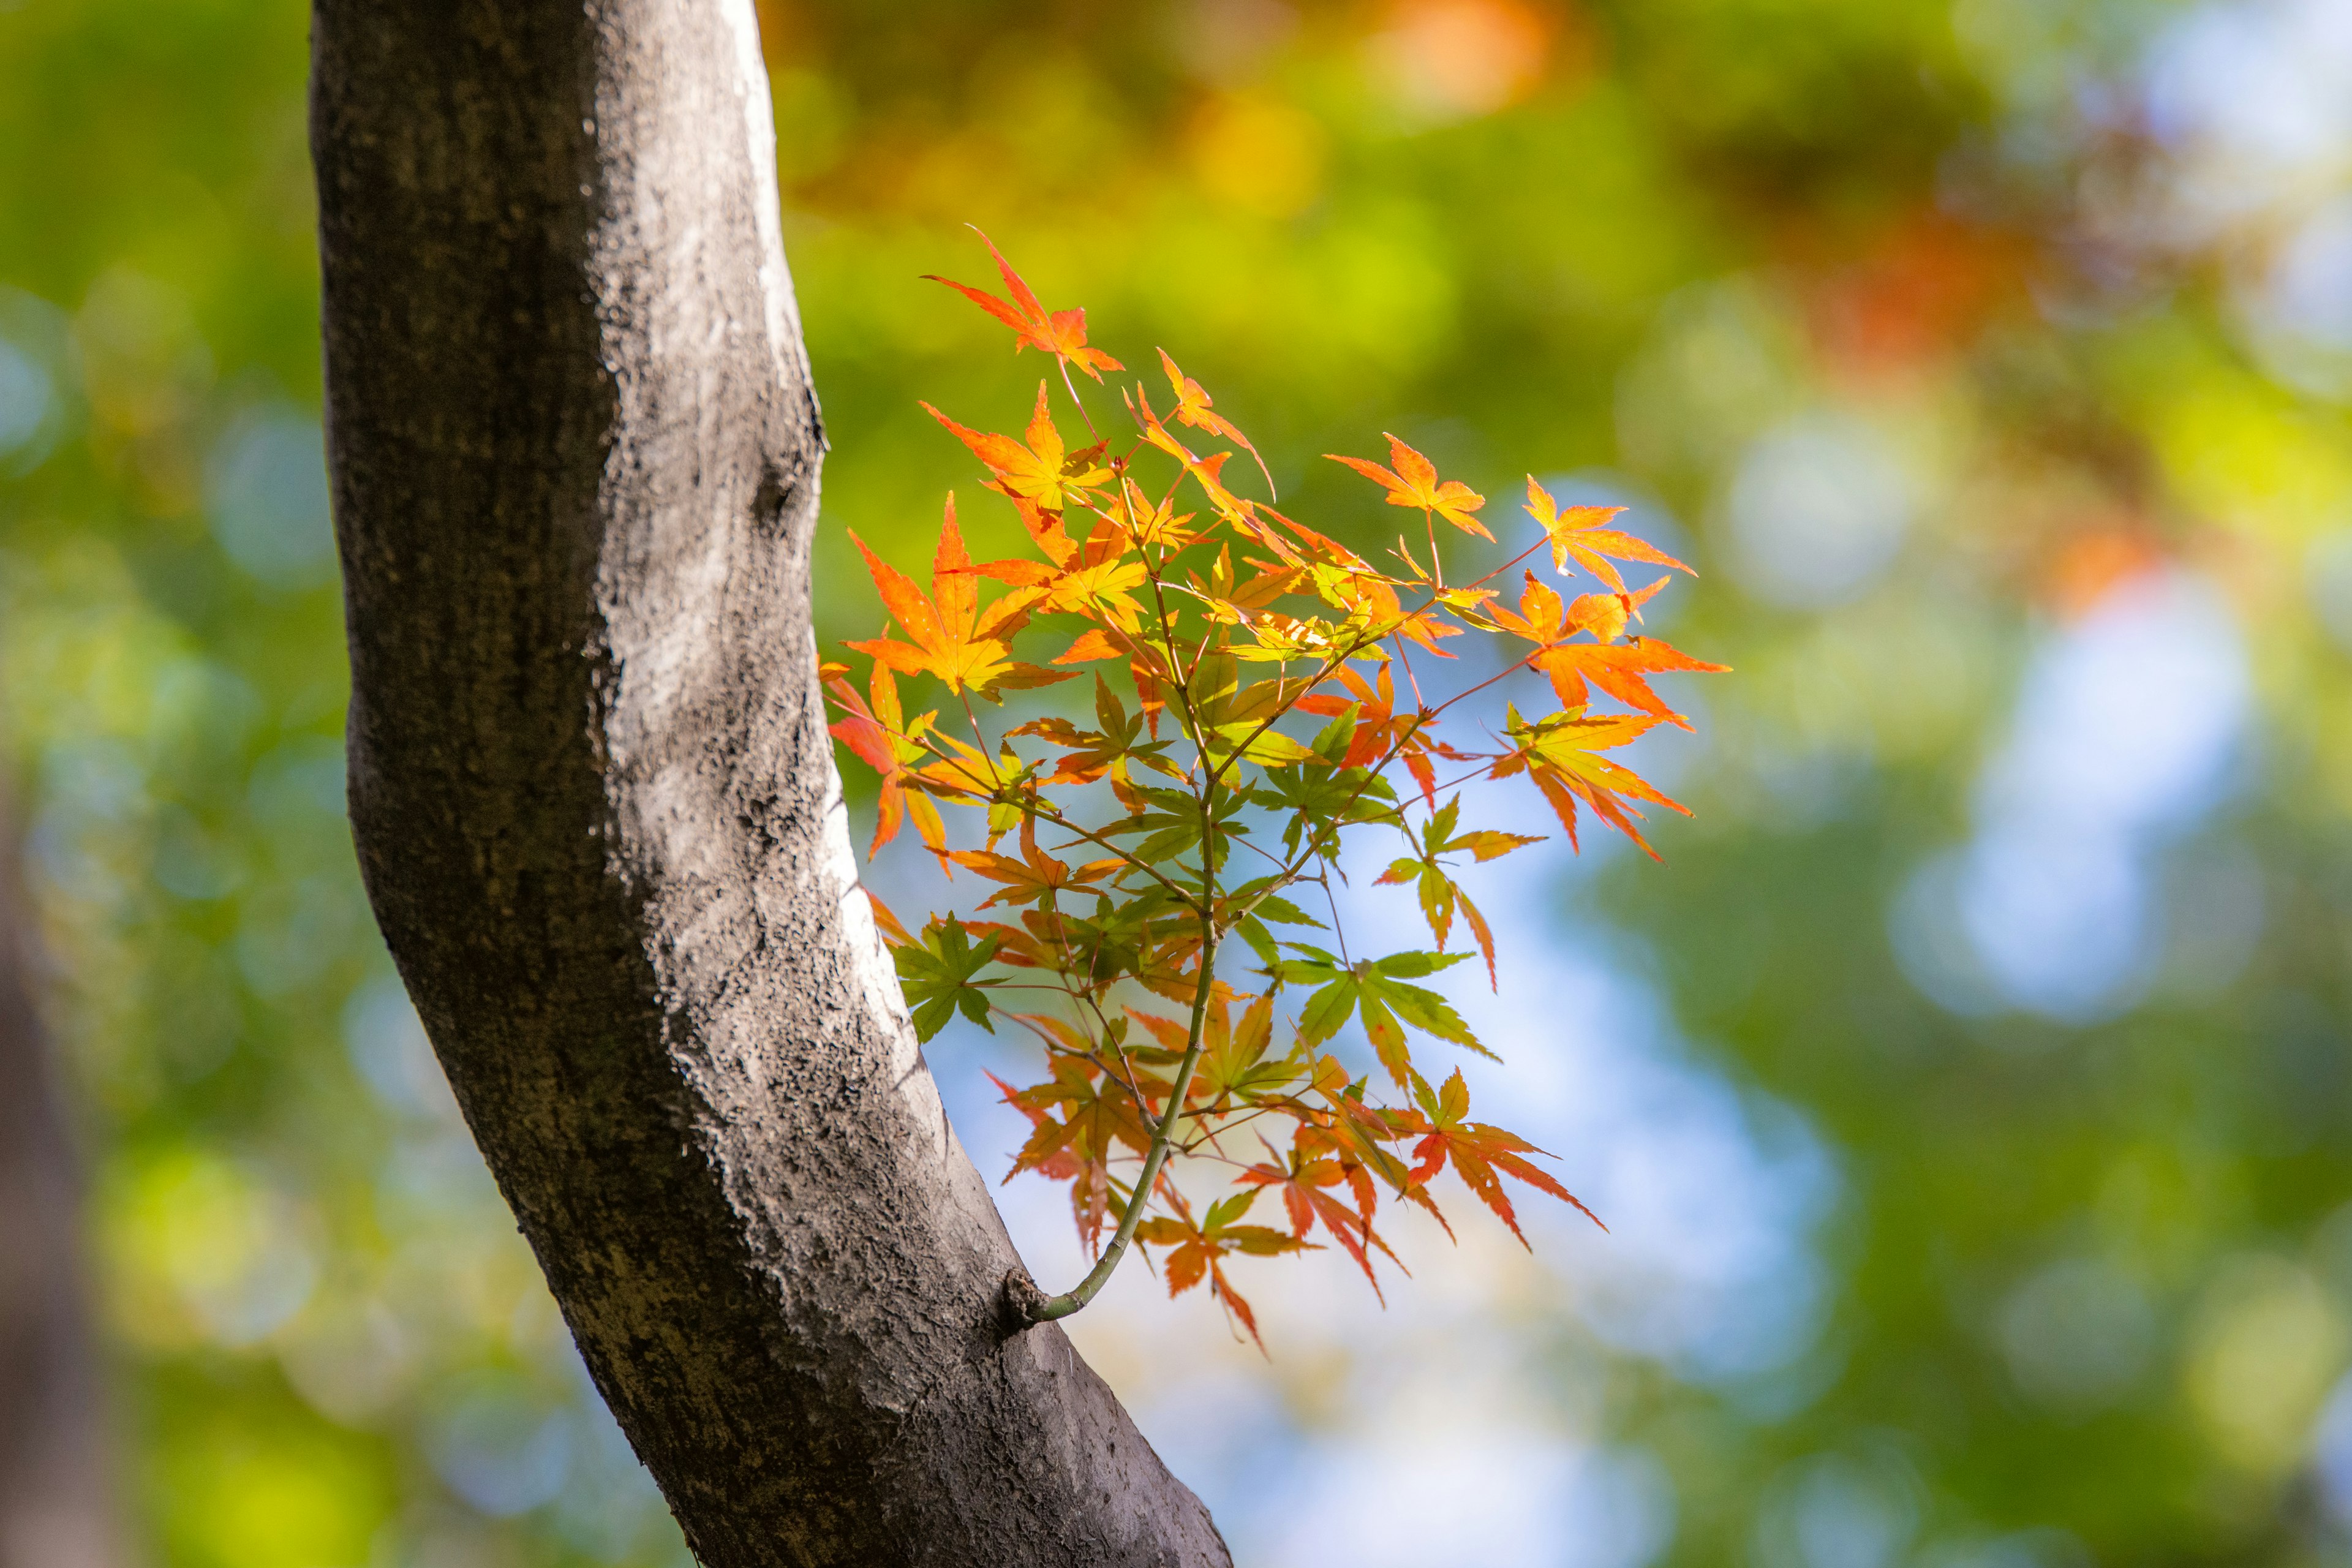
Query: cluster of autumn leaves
[(1181, 813)]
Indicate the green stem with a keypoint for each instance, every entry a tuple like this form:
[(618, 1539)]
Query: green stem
[(1162, 1136)]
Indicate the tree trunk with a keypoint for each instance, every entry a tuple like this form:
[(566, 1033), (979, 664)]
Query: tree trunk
[(576, 456), (56, 1508)]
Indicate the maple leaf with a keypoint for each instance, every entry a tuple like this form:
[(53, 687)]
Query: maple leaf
[(1092, 644), (1439, 894), (1015, 946), (949, 637), (879, 735), (1194, 407), (1305, 1182), (1413, 483), (1048, 1151), (936, 975), (1232, 1067), (1316, 1137), (1098, 1115), (1356, 1131), (1373, 727), (1155, 525), (1376, 988), (1619, 671), (1062, 334), (1616, 668), (1577, 535), (1198, 1250), (1119, 741), (965, 774), (1481, 1155), (887, 923), (1204, 471), (1037, 876), (1557, 753), (1054, 1161), (1098, 589), (1341, 579), (1045, 528), (1045, 471)]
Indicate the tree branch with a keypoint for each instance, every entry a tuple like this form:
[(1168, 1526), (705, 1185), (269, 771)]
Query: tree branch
[(576, 459), (56, 1505)]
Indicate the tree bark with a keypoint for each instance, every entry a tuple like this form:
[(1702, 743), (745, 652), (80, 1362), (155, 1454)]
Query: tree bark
[(56, 1506), (575, 455)]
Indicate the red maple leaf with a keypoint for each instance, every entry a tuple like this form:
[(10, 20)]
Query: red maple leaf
[(1481, 1155)]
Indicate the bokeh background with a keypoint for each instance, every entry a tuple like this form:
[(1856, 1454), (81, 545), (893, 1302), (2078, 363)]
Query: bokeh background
[(1969, 1094)]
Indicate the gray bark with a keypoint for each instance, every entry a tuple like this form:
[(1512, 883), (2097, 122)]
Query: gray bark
[(56, 1506), (576, 452)]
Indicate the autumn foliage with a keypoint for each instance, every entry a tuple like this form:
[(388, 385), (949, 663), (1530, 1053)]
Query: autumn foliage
[(1255, 689)]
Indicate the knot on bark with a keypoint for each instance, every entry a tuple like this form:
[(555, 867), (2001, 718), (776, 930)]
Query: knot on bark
[(1021, 1301)]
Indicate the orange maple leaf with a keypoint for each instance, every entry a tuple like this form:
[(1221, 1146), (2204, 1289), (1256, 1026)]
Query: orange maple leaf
[(1577, 535), (1050, 1156), (1062, 334), (1204, 471), (878, 736), (1198, 1249), (1557, 753), (1194, 407), (950, 637), (1096, 1118), (1043, 472), (1617, 668), (1413, 483), (1037, 876)]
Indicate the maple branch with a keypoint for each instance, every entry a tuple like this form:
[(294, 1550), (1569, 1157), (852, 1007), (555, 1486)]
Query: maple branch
[(1183, 684), (1078, 1296), (1507, 565), (1411, 677), (972, 719), (1129, 860), (1339, 927), (1227, 721), (1088, 1002), (1329, 666)]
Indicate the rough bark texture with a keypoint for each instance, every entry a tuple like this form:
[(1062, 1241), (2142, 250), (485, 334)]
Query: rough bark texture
[(56, 1508), (576, 459)]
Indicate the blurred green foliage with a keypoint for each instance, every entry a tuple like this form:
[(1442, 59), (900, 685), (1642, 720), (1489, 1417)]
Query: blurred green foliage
[(1991, 305)]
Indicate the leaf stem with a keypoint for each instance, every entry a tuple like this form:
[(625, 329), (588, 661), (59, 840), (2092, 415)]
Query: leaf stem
[(1081, 402), (1052, 814)]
